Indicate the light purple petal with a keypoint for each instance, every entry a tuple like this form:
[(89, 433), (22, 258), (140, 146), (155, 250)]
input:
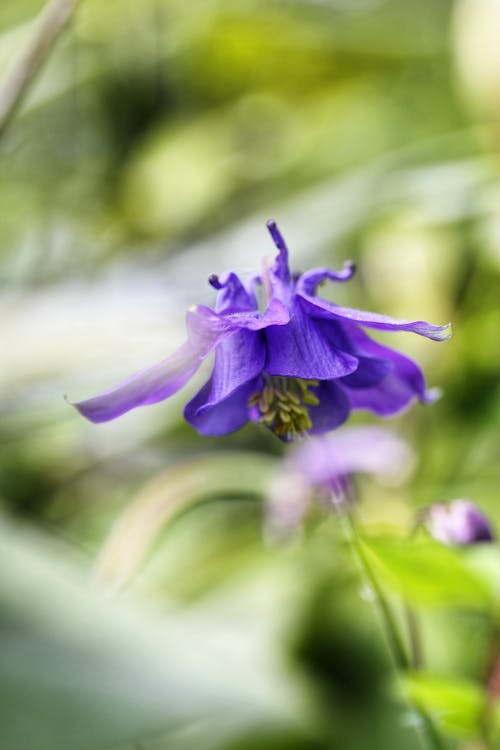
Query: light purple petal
[(287, 501), (205, 331), (145, 387), (327, 459), (322, 308), (458, 522), (300, 350), (221, 417), (309, 280), (276, 314)]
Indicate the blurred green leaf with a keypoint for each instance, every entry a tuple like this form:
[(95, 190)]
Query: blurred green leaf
[(170, 493), (484, 561), (455, 703), (78, 671), (428, 573)]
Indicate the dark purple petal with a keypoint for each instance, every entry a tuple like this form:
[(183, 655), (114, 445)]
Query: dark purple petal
[(333, 408), (396, 390), (389, 397), (392, 394), (300, 350), (458, 522), (280, 268), (233, 295), (369, 373), (205, 331), (222, 417), (322, 308), (309, 280)]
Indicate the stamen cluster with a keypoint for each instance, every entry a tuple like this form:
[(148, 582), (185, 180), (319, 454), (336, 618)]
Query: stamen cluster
[(283, 405)]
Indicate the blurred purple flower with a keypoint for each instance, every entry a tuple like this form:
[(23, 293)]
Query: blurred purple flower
[(328, 461), (298, 367), (459, 522), (325, 466)]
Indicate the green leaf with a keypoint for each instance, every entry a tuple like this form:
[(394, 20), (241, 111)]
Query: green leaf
[(484, 561), (426, 572), (79, 671), (171, 493), (455, 703)]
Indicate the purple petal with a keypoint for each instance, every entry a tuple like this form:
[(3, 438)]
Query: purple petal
[(309, 280), (458, 522), (322, 308), (145, 387), (233, 295), (369, 373), (333, 408), (238, 359), (396, 390), (221, 417), (275, 315), (205, 331), (280, 269), (301, 350), (325, 460)]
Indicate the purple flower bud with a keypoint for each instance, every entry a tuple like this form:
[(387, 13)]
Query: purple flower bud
[(458, 522)]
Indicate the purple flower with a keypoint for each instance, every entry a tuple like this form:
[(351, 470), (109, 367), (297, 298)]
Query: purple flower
[(459, 522), (324, 466), (298, 367), (328, 461)]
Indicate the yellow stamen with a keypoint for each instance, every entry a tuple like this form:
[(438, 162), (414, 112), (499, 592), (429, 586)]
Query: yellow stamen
[(283, 405)]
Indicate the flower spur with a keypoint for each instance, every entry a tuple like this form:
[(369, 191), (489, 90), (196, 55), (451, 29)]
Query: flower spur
[(298, 367)]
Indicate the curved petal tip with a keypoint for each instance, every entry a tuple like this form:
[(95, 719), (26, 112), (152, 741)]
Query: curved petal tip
[(276, 235)]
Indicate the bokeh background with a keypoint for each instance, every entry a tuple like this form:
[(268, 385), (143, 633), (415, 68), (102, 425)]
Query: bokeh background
[(155, 143)]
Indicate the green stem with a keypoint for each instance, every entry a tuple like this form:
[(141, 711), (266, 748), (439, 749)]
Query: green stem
[(414, 638), (427, 731), (394, 640), (49, 25)]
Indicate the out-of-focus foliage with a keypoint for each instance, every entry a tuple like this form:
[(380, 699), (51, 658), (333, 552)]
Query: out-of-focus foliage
[(155, 142)]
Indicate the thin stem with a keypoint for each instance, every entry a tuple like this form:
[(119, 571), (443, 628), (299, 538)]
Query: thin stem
[(426, 729), (394, 640), (414, 638), (49, 25)]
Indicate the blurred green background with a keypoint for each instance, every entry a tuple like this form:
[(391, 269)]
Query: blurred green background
[(155, 143)]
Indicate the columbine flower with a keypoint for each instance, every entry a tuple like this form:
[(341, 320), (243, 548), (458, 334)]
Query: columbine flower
[(298, 367), (324, 467), (459, 522)]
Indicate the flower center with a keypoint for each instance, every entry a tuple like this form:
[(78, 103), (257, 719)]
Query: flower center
[(284, 403)]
